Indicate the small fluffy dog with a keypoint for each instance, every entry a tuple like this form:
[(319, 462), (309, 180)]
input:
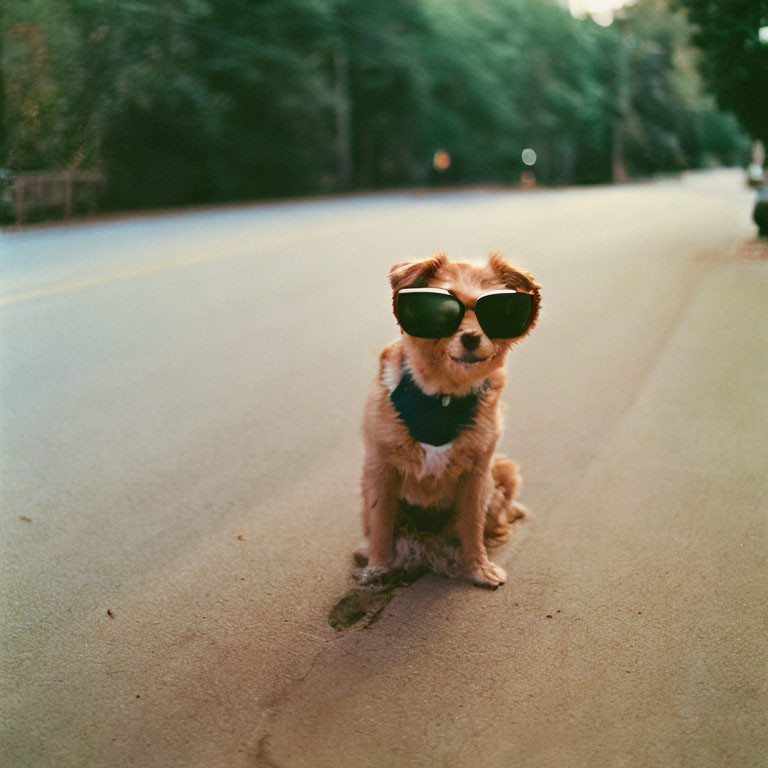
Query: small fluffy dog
[(433, 418)]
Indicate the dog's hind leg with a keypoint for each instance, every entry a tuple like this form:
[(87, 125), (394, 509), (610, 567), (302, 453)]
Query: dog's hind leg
[(502, 510)]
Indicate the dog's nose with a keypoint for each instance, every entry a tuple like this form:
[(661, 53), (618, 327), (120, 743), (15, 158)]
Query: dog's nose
[(470, 341)]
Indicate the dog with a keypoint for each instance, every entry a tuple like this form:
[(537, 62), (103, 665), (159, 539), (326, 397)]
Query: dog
[(433, 417)]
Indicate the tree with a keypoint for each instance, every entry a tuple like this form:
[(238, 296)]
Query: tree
[(735, 62), (185, 101), (269, 66), (665, 122), (41, 71)]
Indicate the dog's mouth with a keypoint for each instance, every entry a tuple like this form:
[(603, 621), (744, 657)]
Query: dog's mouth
[(468, 359)]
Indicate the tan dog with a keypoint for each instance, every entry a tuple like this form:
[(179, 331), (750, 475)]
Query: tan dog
[(434, 388)]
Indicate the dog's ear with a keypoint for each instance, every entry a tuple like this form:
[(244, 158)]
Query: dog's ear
[(518, 280), (414, 274)]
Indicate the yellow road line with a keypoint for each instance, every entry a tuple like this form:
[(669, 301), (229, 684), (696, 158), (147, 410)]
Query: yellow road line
[(102, 279), (163, 266)]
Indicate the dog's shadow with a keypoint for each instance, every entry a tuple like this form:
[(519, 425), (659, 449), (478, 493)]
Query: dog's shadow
[(367, 603)]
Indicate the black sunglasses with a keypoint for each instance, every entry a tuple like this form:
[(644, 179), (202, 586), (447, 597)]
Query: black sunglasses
[(434, 313)]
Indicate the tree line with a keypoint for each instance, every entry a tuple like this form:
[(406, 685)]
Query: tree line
[(187, 101)]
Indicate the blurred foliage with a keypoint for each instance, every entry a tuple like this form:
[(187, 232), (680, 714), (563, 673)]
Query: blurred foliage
[(183, 101), (735, 63), (668, 120)]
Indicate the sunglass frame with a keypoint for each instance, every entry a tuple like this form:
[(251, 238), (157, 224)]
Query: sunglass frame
[(463, 309)]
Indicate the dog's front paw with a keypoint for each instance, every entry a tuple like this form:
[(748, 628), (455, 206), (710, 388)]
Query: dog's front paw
[(486, 574), (372, 576)]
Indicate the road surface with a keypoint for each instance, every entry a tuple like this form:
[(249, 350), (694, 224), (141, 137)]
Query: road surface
[(181, 401)]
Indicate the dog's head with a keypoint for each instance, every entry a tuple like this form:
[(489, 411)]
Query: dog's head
[(468, 355)]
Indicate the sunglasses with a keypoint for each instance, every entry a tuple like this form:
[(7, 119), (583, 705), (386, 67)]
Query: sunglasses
[(434, 313)]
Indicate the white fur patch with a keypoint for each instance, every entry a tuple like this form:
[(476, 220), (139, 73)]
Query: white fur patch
[(391, 375), (434, 459)]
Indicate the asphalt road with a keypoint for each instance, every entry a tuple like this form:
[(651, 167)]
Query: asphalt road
[(181, 401)]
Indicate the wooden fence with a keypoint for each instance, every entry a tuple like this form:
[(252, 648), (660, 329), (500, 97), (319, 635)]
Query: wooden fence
[(51, 194)]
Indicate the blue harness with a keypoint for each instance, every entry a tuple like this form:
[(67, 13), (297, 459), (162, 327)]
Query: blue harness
[(433, 419)]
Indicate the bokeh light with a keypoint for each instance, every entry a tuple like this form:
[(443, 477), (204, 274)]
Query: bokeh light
[(441, 161)]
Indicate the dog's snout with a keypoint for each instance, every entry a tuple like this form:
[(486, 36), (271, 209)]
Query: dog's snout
[(470, 341)]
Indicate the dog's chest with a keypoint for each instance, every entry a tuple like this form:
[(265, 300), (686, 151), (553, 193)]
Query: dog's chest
[(434, 460), (429, 479), (433, 421)]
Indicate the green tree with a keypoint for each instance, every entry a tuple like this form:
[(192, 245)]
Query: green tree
[(41, 70), (665, 108), (384, 85), (181, 101), (269, 66), (151, 108), (514, 74), (735, 61)]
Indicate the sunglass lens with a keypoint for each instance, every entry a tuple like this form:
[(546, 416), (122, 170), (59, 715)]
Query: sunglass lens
[(429, 315), (504, 315)]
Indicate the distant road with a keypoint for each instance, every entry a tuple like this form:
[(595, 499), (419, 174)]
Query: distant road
[(180, 453)]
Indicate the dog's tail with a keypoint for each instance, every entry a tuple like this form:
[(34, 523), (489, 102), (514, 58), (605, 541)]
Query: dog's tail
[(502, 509)]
